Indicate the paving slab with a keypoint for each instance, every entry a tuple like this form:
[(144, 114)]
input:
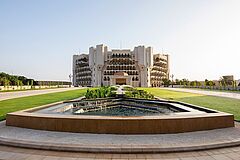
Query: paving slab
[(14, 153), (111, 143)]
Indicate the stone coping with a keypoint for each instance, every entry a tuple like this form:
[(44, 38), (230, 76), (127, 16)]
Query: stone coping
[(111, 143), (123, 118)]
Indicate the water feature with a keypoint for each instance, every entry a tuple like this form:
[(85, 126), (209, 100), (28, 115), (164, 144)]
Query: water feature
[(112, 107), (118, 106)]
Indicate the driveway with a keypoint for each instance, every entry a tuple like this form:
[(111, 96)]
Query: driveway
[(17, 94), (209, 93)]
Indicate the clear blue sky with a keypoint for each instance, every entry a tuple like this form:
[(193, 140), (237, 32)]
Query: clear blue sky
[(39, 37)]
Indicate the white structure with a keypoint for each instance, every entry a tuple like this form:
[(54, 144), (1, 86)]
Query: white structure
[(238, 82), (139, 67), (81, 71)]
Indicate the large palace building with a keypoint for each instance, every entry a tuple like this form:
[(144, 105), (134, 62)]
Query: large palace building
[(140, 67)]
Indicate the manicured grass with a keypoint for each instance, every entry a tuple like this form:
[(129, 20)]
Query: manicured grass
[(228, 105), (17, 104)]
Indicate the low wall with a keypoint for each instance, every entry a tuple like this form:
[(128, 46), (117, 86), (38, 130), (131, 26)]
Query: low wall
[(120, 125)]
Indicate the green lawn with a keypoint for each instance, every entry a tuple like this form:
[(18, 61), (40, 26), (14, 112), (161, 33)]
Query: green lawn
[(228, 105), (17, 104)]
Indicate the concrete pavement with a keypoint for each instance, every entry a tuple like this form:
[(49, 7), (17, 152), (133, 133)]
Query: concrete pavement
[(18, 153), (209, 93), (117, 143), (18, 94), (15, 153)]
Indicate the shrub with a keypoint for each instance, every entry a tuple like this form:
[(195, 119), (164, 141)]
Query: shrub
[(139, 94), (101, 92), (104, 92), (126, 88)]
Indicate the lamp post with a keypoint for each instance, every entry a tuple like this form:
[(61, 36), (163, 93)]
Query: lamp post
[(70, 78), (172, 79)]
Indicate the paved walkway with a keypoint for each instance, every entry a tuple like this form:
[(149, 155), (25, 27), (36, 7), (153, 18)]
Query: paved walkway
[(17, 94), (189, 141), (15, 153), (210, 93), (120, 90)]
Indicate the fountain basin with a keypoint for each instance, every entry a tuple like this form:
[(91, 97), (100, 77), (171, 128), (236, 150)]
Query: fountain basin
[(182, 118)]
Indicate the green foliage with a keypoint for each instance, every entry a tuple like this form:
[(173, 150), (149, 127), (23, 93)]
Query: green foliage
[(209, 83), (193, 84), (102, 92), (127, 88), (184, 82), (177, 82), (225, 81), (105, 92), (113, 88), (166, 82), (135, 93), (7, 80)]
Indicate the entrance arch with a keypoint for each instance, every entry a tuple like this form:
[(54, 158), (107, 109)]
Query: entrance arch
[(121, 81)]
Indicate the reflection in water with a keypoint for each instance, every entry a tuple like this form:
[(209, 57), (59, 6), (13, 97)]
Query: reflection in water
[(112, 107)]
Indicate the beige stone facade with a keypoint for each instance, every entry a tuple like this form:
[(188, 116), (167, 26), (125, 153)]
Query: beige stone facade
[(140, 67), (81, 72)]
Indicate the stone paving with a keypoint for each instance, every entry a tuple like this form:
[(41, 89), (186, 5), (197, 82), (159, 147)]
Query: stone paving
[(18, 94), (15, 153), (119, 143), (209, 93)]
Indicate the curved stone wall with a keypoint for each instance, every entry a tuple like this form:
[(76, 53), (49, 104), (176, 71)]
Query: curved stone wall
[(120, 125)]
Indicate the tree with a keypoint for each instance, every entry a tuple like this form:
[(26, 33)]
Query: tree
[(198, 84), (6, 79), (32, 82), (181, 82), (220, 85), (206, 83), (234, 85), (210, 83), (185, 82), (6, 82), (177, 81), (1, 81), (166, 82), (223, 82), (226, 81), (195, 84), (192, 83)]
